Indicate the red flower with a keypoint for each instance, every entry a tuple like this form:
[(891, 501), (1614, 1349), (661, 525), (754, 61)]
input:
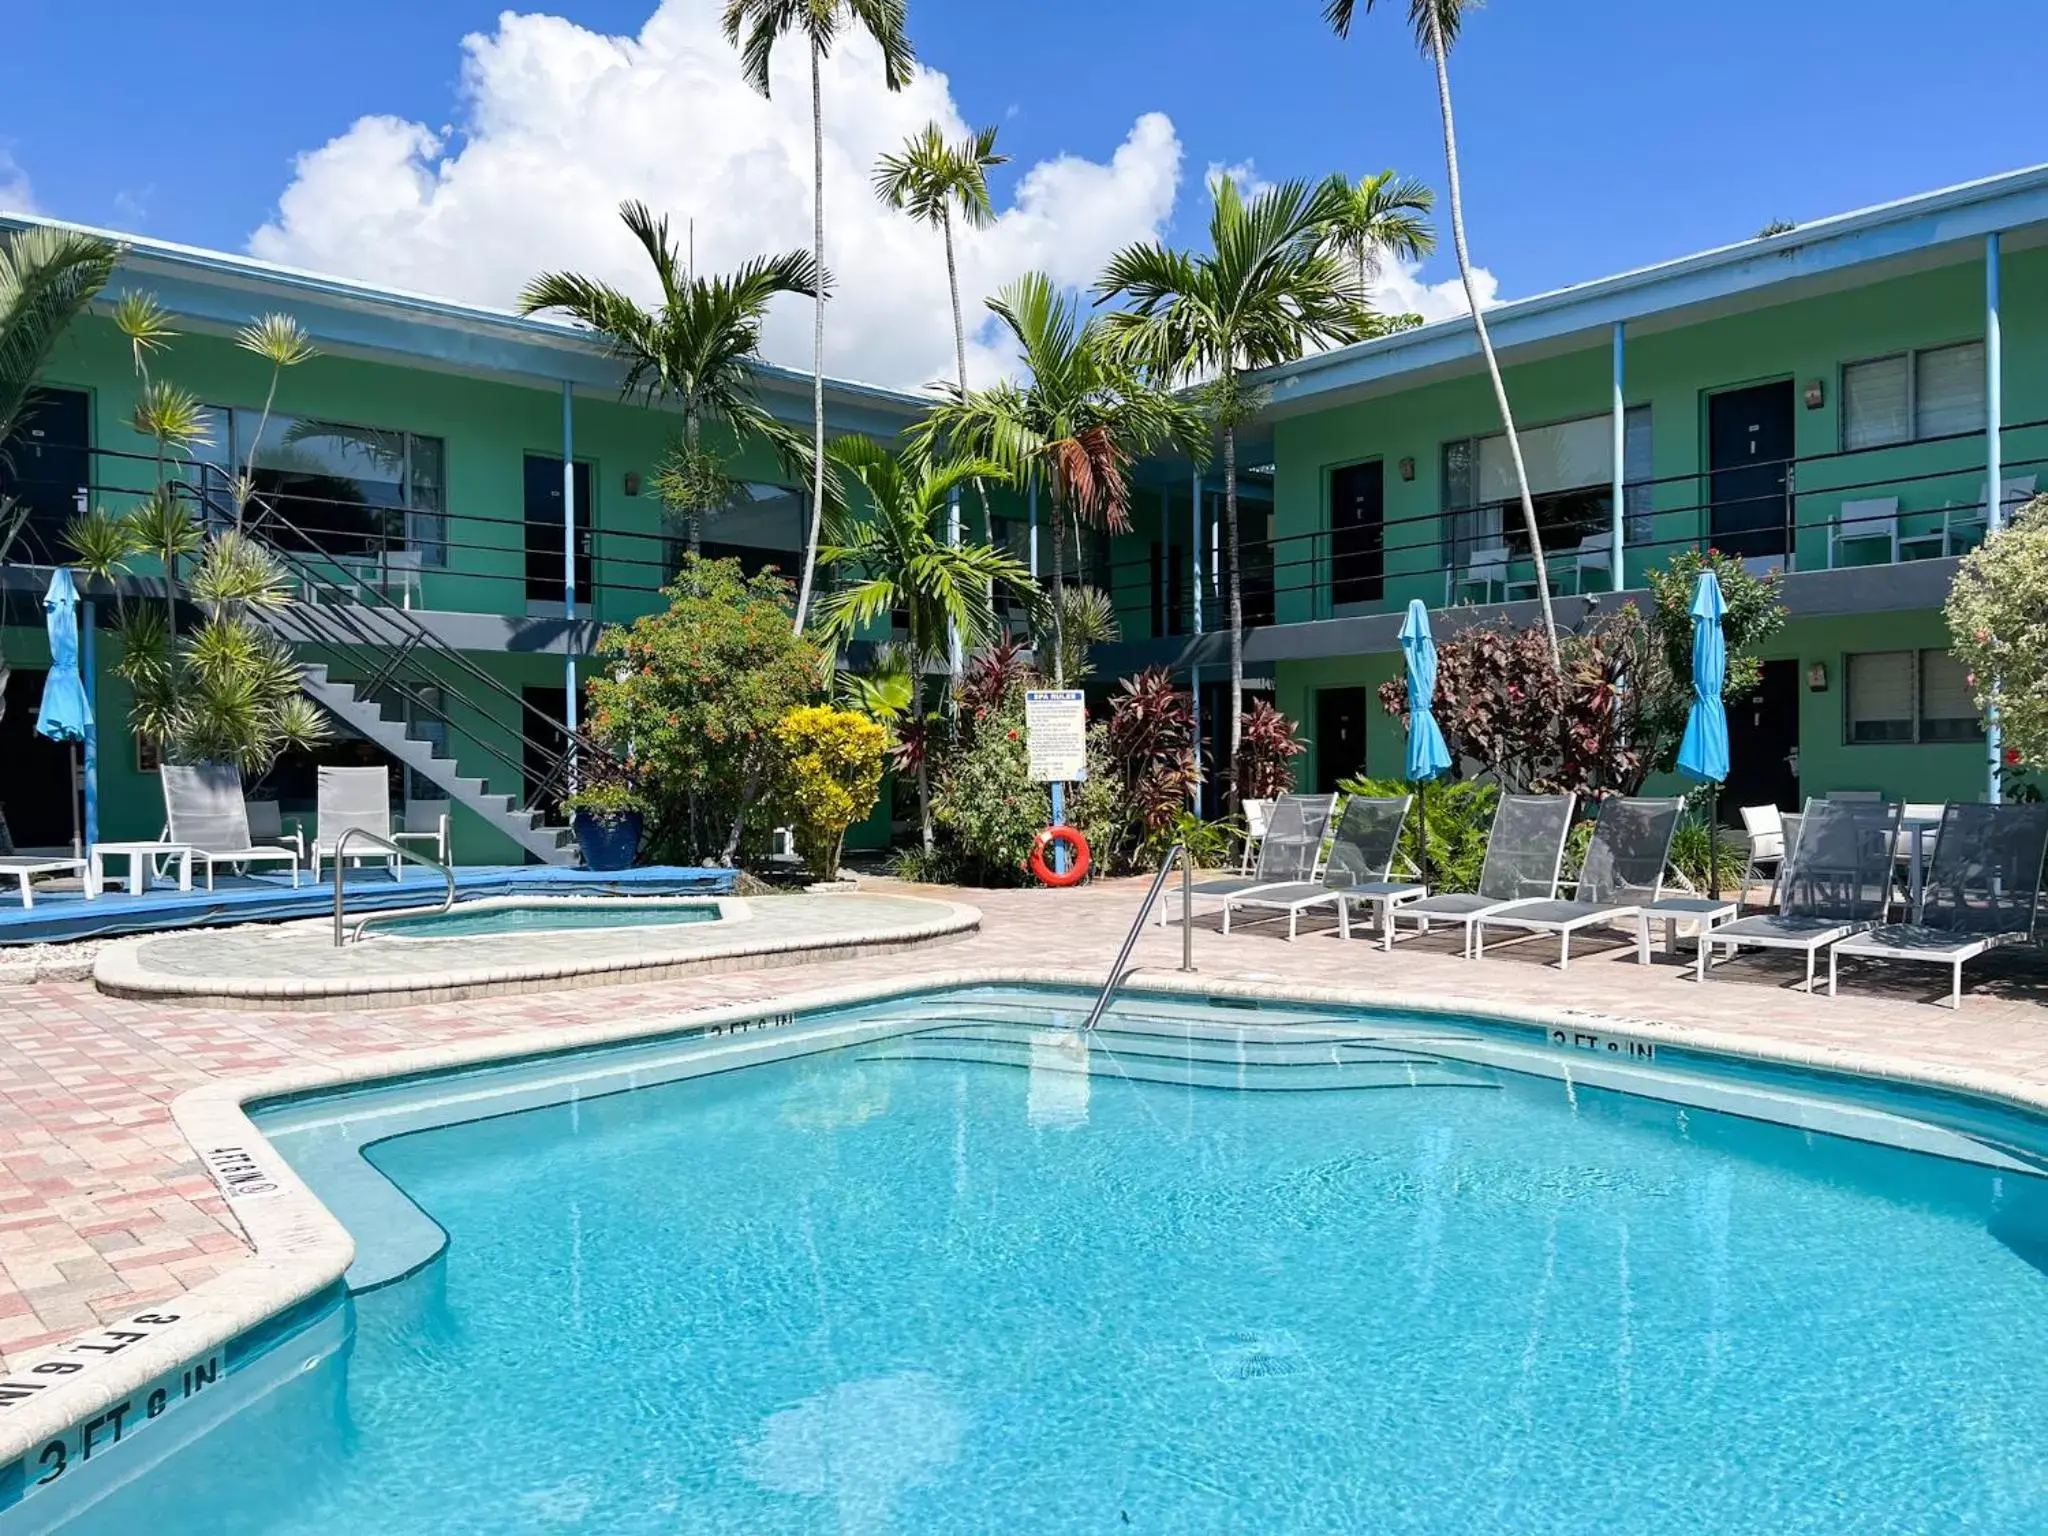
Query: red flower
[(1013, 735), (1983, 637), (2012, 757)]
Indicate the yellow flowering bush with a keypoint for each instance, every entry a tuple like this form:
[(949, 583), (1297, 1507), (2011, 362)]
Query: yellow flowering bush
[(829, 770)]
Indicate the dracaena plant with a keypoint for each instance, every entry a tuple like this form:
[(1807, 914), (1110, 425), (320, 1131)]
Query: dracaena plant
[(1266, 750)]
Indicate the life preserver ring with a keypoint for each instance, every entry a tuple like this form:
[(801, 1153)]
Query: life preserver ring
[(1041, 866)]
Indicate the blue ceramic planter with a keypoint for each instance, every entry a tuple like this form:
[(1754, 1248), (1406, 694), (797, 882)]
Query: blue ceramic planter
[(610, 843)]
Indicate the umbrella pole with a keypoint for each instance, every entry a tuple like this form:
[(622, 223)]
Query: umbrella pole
[(1422, 830), (77, 825), (1714, 844)]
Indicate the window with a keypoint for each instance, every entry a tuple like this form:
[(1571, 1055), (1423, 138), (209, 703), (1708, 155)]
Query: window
[(1936, 392), (338, 489), (1571, 480), (1909, 696)]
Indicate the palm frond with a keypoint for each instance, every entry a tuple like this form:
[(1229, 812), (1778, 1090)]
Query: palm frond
[(47, 278)]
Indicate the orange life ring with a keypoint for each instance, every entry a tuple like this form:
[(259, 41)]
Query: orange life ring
[(1041, 866)]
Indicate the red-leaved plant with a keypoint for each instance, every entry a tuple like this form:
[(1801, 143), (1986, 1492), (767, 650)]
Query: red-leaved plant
[(1267, 746)]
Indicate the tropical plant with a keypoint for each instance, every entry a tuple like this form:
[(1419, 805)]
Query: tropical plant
[(755, 27), (606, 796), (1072, 426), (892, 555), (697, 348), (1662, 686), (1998, 629), (830, 770), (1436, 24), (1143, 769), (1384, 214), (1263, 766), (691, 696), (934, 181), (992, 679), (1268, 290), (986, 802), (1067, 623), (47, 278), (1452, 817)]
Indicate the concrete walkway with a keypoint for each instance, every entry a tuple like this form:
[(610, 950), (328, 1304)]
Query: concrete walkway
[(104, 1209)]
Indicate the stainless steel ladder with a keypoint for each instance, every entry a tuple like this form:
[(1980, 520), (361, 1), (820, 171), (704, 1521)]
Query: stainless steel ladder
[(1123, 970), (363, 834)]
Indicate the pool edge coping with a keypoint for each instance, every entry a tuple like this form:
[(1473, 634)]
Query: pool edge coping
[(299, 1249)]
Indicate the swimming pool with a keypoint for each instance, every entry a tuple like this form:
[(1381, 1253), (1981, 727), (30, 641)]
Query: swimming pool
[(519, 915), (1216, 1268)]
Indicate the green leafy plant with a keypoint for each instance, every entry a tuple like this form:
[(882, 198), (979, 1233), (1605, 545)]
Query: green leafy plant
[(830, 771), (607, 801), (1663, 686), (1142, 771), (985, 801), (692, 699), (1264, 765), (1998, 629)]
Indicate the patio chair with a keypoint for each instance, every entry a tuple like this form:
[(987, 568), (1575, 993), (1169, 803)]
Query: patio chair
[(266, 825), (1524, 849), (204, 811), (1361, 860), (1623, 872), (1982, 891), (353, 799), (1870, 524), (426, 821), (1288, 854), (1837, 881), (1764, 825), (1258, 814)]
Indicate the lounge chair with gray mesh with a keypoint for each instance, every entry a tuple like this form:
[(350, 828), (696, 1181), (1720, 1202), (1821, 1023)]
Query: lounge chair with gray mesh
[(1837, 881), (1982, 892), (1361, 858), (204, 811), (1623, 873), (1524, 851), (1288, 854), (353, 799)]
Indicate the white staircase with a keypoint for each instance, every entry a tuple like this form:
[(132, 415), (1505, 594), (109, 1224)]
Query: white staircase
[(551, 845)]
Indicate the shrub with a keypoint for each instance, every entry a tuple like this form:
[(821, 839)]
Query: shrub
[(829, 776), (1142, 771), (1458, 814), (606, 801), (1999, 631), (691, 698), (985, 801), (1267, 745)]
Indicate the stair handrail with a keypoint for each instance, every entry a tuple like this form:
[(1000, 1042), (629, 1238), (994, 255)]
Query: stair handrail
[(364, 834), (1122, 971)]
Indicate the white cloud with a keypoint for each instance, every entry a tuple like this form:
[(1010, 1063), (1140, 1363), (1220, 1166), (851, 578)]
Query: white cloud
[(1400, 288), (559, 124), (16, 196)]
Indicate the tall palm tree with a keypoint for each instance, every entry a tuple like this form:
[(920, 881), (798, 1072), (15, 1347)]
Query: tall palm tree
[(1385, 214), (1071, 427), (698, 349), (932, 180), (1436, 24), (895, 556), (47, 278), (754, 27), (1268, 290)]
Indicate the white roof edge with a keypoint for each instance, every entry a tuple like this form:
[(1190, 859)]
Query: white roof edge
[(1428, 339), (424, 306)]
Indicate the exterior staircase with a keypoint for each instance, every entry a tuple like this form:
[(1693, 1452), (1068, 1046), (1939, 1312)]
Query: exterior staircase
[(527, 828)]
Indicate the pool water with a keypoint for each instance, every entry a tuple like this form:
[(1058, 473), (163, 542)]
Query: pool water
[(990, 1278), (546, 917)]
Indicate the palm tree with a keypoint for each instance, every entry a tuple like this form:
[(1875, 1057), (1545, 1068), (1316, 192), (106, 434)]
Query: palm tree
[(931, 181), (1436, 24), (698, 349), (896, 558), (1269, 290), (1386, 214), (754, 27), (47, 278), (1073, 427)]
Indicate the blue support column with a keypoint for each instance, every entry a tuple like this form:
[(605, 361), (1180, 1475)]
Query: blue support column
[(1620, 519), (569, 572), (88, 663), (1195, 557), (1994, 470), (955, 652)]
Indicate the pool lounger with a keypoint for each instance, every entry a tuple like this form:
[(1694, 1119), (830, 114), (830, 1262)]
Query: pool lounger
[(1361, 858), (1524, 850), (1623, 872), (1288, 856)]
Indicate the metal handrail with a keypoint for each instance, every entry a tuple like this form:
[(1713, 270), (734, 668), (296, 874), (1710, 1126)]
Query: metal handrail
[(340, 889), (1121, 972)]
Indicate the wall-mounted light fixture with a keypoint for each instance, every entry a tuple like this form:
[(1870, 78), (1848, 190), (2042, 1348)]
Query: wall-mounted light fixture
[(632, 483), (1817, 677), (1816, 394), (1407, 469)]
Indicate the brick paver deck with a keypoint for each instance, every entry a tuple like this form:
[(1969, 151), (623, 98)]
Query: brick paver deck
[(104, 1209)]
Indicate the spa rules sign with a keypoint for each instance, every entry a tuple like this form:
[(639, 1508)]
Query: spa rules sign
[(1056, 732)]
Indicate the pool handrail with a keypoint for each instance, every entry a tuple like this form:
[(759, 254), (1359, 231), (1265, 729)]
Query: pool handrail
[(363, 834), (1121, 972)]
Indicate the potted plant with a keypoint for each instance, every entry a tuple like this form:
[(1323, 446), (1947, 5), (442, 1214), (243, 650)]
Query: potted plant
[(608, 818)]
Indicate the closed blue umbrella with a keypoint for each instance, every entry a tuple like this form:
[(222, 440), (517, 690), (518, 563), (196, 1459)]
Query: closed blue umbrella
[(1703, 754), (1427, 756), (66, 714)]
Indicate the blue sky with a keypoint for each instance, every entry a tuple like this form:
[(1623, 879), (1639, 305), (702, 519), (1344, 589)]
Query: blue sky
[(1597, 134)]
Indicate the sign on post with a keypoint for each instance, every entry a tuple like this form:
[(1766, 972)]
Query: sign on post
[(1056, 734)]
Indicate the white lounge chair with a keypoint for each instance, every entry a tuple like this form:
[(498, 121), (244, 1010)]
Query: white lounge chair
[(204, 811), (426, 821), (1623, 873), (353, 799), (1765, 827), (1983, 891), (1524, 851), (1361, 859)]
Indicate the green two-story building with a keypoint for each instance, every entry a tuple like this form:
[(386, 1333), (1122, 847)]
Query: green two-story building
[(1852, 401)]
